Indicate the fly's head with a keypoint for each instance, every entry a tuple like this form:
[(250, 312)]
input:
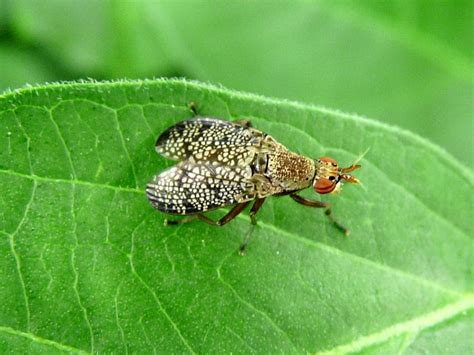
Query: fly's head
[(329, 176)]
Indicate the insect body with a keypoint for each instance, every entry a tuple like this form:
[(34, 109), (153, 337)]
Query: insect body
[(225, 163)]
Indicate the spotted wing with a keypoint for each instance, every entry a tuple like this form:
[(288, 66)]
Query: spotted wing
[(211, 140), (190, 187)]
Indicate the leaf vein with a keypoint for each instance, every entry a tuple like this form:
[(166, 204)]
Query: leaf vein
[(230, 330), (414, 326), (339, 252), (17, 256), (416, 198), (117, 318), (403, 188), (75, 272), (152, 292), (312, 289), (43, 264), (142, 326), (67, 181), (96, 140), (249, 305), (28, 141), (124, 146), (63, 142), (40, 340)]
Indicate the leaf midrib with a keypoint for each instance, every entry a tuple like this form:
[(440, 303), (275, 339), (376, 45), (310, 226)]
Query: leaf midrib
[(415, 325)]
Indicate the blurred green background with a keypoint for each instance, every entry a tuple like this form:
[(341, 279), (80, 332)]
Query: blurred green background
[(408, 63)]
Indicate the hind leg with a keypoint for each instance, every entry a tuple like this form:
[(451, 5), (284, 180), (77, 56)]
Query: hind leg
[(234, 212), (243, 122), (253, 211)]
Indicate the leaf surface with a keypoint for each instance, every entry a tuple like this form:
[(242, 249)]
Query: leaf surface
[(87, 265)]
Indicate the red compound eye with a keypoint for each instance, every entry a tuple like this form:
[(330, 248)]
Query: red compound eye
[(324, 186), (328, 160)]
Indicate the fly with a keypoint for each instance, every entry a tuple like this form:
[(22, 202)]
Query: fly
[(222, 163)]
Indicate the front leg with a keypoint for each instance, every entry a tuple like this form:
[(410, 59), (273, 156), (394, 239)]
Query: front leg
[(243, 122), (318, 204), (192, 107), (234, 212)]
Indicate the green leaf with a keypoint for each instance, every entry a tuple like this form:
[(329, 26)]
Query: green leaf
[(87, 265)]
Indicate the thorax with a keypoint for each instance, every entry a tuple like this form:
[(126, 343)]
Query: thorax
[(285, 170)]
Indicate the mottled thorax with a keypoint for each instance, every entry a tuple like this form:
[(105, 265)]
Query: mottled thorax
[(290, 170)]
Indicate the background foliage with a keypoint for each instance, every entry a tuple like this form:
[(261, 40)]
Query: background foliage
[(409, 63)]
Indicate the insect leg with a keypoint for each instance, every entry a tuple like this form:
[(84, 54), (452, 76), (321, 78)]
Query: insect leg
[(174, 222), (318, 204), (193, 108), (307, 202), (227, 218), (255, 207), (234, 212), (338, 225), (253, 211), (243, 122)]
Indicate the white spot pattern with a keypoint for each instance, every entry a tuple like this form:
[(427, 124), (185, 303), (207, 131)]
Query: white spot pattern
[(190, 187), (209, 140)]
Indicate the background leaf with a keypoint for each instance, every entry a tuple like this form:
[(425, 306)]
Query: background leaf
[(20, 66), (87, 264), (408, 63)]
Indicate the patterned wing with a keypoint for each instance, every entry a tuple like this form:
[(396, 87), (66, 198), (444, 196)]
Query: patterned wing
[(190, 187), (209, 139)]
